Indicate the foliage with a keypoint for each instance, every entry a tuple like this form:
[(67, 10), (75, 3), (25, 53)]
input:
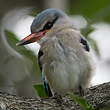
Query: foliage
[(93, 10), (83, 102), (40, 90)]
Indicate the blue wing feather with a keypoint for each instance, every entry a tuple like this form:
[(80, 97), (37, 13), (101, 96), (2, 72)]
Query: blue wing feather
[(46, 86)]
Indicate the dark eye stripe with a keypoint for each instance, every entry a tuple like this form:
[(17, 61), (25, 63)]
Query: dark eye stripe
[(49, 25)]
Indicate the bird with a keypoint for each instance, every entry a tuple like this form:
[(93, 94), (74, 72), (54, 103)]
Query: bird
[(64, 57)]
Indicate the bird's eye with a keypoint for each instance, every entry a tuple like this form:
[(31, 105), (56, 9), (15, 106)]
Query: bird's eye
[(48, 25)]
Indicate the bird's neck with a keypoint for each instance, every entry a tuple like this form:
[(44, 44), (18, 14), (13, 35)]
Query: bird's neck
[(62, 24)]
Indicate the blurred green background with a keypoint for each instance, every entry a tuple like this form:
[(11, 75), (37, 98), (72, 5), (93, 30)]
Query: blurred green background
[(19, 69)]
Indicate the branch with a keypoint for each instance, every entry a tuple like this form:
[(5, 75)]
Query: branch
[(98, 96)]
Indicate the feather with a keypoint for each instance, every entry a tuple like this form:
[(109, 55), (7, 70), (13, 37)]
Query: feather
[(45, 84)]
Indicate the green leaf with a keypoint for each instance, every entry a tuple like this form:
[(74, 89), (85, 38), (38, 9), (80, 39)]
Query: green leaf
[(88, 8), (86, 31), (101, 15), (40, 90), (12, 40), (94, 45), (83, 102), (94, 10)]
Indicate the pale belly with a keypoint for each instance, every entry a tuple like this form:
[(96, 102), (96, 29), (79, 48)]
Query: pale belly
[(66, 67), (66, 73)]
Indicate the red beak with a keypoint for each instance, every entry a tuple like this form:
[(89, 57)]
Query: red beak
[(32, 38)]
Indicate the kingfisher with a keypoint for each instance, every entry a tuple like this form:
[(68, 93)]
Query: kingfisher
[(64, 57)]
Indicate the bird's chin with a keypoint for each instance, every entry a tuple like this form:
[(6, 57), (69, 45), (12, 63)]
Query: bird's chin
[(43, 39)]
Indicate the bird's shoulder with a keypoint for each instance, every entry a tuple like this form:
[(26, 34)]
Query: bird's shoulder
[(74, 38)]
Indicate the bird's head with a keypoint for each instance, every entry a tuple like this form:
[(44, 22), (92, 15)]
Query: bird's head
[(48, 20)]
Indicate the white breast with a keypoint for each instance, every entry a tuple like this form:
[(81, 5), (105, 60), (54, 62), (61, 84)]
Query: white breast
[(65, 67)]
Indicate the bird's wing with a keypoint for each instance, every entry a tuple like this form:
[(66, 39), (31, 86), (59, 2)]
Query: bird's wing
[(45, 84), (85, 43)]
